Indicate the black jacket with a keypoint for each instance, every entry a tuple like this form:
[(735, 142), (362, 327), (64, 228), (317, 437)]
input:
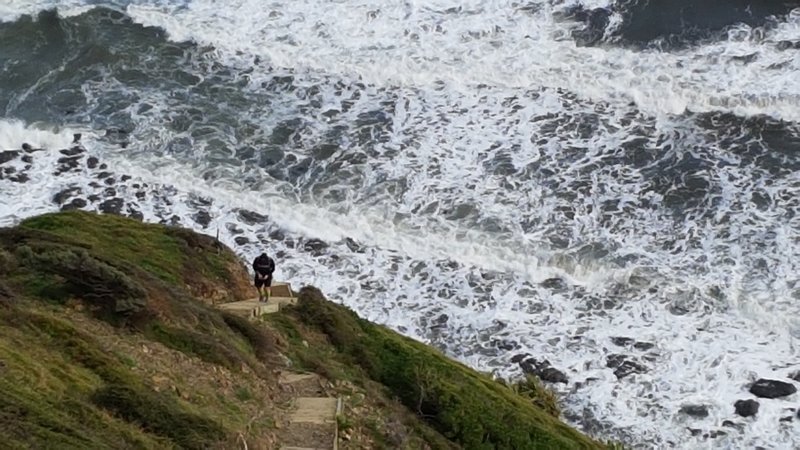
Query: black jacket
[(263, 265)]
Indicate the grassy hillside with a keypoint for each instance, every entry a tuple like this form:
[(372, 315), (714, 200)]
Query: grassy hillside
[(109, 339)]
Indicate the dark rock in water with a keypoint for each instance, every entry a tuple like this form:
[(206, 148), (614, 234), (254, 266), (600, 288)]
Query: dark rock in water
[(76, 203), (27, 159), (103, 166), (252, 217), (315, 246), (110, 181), (553, 375), (27, 147), (695, 431), (76, 138), (506, 345), (277, 235), (20, 178), (516, 359), (732, 424), (624, 365), (102, 175), (745, 408), (203, 218), (62, 196), (93, 198), (643, 346), (556, 284), (787, 45), (713, 434), (745, 59), (140, 195), (234, 228), (353, 245), (67, 163), (795, 375), (695, 410), (622, 341), (772, 388), (440, 321), (112, 206), (786, 419), (74, 151), (8, 156), (135, 213), (241, 240), (544, 370), (92, 162), (125, 178)]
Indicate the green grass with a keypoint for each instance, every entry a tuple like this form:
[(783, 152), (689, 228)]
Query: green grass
[(160, 416), (59, 388), (170, 254), (467, 407), (148, 247)]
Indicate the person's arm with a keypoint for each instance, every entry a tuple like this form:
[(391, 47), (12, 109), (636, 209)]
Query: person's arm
[(271, 266)]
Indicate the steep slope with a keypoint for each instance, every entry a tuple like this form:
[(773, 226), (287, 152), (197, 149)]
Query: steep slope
[(109, 338)]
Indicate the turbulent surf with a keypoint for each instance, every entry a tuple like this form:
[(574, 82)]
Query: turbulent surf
[(602, 190)]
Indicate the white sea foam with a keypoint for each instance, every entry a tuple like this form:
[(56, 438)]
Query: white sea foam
[(468, 43), (715, 293)]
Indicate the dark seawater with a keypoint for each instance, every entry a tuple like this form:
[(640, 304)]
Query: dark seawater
[(586, 183), (673, 23)]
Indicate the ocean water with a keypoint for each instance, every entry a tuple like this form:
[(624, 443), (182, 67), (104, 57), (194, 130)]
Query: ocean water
[(495, 178)]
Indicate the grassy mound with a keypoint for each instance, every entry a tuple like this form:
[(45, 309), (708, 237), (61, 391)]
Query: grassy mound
[(468, 408), (131, 286)]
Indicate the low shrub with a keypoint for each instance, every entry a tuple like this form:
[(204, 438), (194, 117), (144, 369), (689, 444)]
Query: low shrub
[(159, 415), (262, 343), (532, 388)]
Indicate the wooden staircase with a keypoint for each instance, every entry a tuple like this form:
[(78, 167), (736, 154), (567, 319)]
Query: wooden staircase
[(312, 423)]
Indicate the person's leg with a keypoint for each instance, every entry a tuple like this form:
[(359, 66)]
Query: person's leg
[(268, 286), (259, 283)]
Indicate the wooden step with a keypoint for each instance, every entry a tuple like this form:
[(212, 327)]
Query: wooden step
[(293, 377), (314, 410), (254, 308)]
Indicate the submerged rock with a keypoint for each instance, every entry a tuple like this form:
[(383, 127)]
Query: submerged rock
[(544, 370), (745, 408), (624, 365), (695, 410), (765, 388), (112, 206), (251, 217), (8, 156), (315, 246), (203, 218), (622, 341)]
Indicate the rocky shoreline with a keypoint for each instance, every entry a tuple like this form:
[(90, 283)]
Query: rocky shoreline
[(99, 187)]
